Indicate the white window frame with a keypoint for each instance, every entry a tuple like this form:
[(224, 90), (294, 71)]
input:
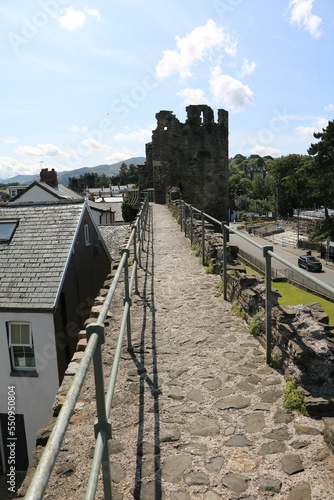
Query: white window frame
[(87, 239), (13, 345)]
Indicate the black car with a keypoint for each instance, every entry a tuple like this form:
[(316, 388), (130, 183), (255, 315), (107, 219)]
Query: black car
[(309, 263)]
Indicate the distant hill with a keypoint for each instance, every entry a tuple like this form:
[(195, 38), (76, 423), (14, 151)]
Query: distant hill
[(109, 170)]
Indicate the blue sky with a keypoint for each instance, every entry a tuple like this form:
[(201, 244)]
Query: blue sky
[(82, 81)]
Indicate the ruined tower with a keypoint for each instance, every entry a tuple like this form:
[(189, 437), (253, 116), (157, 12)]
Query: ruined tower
[(192, 156)]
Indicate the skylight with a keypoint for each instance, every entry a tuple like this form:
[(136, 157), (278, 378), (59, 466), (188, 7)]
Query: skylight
[(7, 229)]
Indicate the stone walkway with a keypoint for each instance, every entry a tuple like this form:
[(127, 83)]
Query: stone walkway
[(197, 413)]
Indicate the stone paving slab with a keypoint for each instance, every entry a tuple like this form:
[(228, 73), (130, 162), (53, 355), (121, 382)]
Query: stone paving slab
[(197, 413)]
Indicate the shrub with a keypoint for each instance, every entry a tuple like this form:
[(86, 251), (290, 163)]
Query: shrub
[(238, 310), (255, 326), (293, 398), (209, 268), (196, 249)]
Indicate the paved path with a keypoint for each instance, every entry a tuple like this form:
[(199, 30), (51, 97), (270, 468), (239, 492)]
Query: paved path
[(197, 413)]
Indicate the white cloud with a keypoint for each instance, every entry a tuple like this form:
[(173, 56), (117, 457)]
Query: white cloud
[(306, 132), (141, 135), (247, 67), (40, 150), (94, 13), (301, 15), (72, 19), (91, 145), (229, 91), (120, 156), (194, 47), (329, 107), (192, 96), (76, 19), (264, 151), (10, 140), (76, 128), (10, 167)]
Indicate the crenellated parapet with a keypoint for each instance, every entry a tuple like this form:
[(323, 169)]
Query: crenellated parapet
[(192, 156)]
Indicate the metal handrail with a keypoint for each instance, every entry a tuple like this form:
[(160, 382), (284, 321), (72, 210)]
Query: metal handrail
[(267, 252), (95, 339)]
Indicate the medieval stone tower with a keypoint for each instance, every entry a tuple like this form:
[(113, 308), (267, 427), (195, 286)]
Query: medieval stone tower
[(192, 156)]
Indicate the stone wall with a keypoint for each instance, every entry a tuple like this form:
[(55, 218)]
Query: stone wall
[(192, 156), (213, 237), (303, 342)]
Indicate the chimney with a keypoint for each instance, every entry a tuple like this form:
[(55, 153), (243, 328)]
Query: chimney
[(50, 177)]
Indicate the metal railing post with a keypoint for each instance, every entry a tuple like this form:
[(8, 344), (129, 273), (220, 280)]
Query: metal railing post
[(41, 477), (135, 258), (127, 298), (225, 239), (191, 225), (181, 215), (139, 241), (102, 426), (267, 257), (203, 240), (185, 218), (145, 213), (142, 229)]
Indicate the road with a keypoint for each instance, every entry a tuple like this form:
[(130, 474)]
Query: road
[(287, 252)]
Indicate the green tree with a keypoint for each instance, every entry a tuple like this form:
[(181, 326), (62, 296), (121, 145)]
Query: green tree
[(128, 174), (323, 153), (133, 174), (103, 181), (292, 175), (123, 174)]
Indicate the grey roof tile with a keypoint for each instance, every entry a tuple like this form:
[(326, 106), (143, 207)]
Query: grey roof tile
[(32, 263)]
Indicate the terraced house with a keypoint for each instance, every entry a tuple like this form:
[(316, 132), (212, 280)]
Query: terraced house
[(53, 262)]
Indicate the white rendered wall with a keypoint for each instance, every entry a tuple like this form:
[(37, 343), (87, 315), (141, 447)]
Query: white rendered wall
[(34, 395)]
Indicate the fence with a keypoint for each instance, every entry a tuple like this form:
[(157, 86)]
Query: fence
[(188, 211), (95, 337)]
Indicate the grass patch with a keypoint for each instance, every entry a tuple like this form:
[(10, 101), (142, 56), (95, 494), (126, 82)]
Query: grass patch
[(293, 398), (209, 268), (238, 310), (196, 249), (255, 326), (292, 296)]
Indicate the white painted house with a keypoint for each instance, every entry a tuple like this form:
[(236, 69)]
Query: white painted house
[(53, 262), (48, 189)]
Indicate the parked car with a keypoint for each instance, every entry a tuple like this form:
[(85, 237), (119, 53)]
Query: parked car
[(309, 263)]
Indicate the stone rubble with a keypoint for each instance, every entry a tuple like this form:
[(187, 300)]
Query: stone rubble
[(197, 413)]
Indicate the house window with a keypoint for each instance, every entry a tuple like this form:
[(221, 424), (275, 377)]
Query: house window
[(7, 229), (87, 240), (21, 347)]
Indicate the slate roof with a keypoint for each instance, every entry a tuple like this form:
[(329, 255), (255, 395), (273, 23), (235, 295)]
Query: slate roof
[(60, 192), (33, 262)]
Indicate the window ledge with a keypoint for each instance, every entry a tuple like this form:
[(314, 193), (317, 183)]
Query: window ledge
[(23, 373)]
